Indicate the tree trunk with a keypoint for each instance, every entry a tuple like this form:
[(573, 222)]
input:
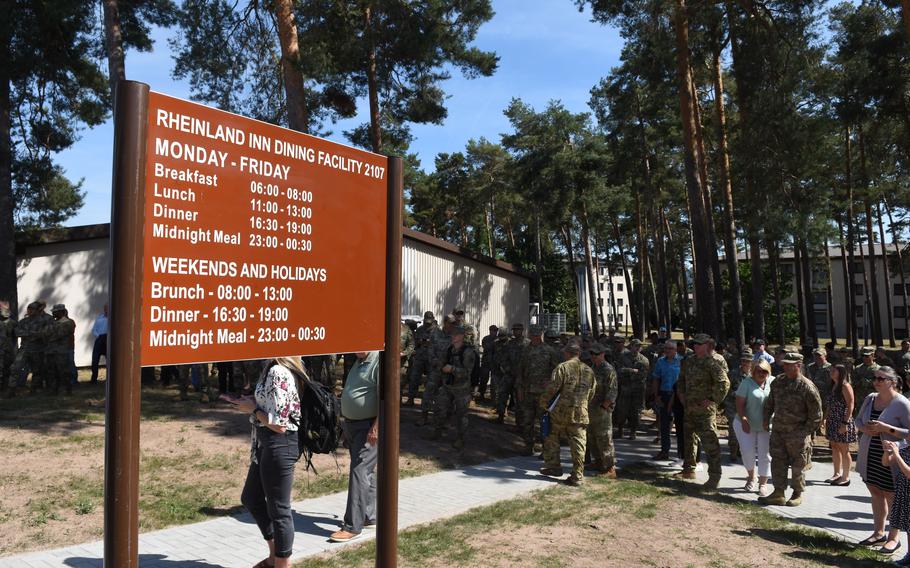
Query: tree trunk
[(735, 326), (8, 282), (663, 285), (628, 278), (492, 226), (757, 285), (900, 263), (538, 259), (773, 256), (867, 303), (372, 86), (887, 268), (870, 236), (567, 242), (113, 43), (611, 297), (846, 267), (829, 289), (806, 267), (290, 65), (706, 316), (851, 237), (682, 283), (589, 267), (905, 14), (597, 287), (641, 288), (800, 291)]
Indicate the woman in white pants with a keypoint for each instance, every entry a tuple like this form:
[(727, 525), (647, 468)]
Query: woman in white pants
[(753, 439)]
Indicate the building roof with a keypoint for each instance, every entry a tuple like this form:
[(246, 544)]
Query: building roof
[(833, 252), (103, 231)]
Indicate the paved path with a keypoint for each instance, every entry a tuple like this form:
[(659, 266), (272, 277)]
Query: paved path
[(231, 542)]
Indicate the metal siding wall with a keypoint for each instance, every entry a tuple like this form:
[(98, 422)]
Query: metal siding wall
[(438, 280)]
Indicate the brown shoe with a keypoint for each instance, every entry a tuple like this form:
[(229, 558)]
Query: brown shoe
[(343, 536), (551, 472), (609, 473), (684, 474)]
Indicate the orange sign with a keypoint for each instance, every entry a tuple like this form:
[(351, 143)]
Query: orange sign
[(259, 241)]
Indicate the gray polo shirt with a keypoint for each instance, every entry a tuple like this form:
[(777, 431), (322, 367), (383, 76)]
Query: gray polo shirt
[(360, 397)]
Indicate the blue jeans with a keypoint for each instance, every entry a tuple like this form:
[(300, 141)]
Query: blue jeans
[(665, 414), (267, 491)]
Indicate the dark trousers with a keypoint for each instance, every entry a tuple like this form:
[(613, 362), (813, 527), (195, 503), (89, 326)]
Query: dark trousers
[(361, 506), (678, 415), (99, 349), (267, 491), (665, 414), (225, 376)]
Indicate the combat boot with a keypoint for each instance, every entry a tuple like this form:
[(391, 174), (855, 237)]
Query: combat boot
[(617, 434), (777, 497), (609, 473), (410, 401), (685, 474), (528, 450), (572, 481), (796, 499), (500, 418), (711, 484), (551, 472)]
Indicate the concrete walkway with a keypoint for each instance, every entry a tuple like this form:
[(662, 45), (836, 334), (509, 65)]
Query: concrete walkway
[(234, 542)]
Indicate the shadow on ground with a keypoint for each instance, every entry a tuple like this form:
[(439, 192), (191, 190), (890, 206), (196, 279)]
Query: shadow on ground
[(150, 560)]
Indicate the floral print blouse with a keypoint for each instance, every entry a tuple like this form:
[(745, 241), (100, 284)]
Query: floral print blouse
[(276, 395)]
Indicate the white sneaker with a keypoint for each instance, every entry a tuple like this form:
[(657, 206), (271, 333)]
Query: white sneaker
[(750, 486), (763, 490)]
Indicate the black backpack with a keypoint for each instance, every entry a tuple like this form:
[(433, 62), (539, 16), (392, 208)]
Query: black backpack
[(319, 429)]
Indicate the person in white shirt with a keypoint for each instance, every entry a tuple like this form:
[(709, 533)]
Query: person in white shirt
[(99, 330)]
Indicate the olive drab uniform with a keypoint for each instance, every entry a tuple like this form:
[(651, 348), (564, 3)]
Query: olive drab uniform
[(862, 383), (793, 410), (439, 348), (600, 426), (60, 342), (420, 360), (702, 379), (633, 377), (7, 348), (509, 359), (489, 345), (454, 391), (574, 382), (820, 375), (32, 331), (407, 351), (535, 371)]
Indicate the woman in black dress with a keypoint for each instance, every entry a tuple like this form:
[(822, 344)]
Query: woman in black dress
[(839, 426)]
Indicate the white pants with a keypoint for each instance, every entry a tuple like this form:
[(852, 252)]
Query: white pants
[(754, 445)]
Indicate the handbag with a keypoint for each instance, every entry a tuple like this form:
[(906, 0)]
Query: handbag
[(545, 425)]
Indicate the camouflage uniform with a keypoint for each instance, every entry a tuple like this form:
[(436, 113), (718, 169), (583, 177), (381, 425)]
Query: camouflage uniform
[(508, 359), (574, 382), (794, 410), (821, 378), (7, 347), (702, 379), (902, 360), (862, 383), (489, 345), (454, 390), (438, 350), (60, 342), (407, 351), (30, 358), (600, 427), (420, 360), (633, 377), (535, 370)]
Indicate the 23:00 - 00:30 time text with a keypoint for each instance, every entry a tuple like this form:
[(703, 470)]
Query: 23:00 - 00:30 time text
[(304, 333)]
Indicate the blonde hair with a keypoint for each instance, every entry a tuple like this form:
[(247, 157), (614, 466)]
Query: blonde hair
[(763, 365), (295, 366)]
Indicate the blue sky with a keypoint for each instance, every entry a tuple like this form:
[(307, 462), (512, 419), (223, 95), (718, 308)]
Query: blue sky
[(547, 48)]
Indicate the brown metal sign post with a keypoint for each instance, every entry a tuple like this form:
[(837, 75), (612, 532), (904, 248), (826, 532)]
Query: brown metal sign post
[(389, 392), (121, 447)]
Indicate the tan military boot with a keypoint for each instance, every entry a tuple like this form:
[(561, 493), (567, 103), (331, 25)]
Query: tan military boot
[(685, 474), (777, 497), (711, 484), (609, 473), (796, 499)]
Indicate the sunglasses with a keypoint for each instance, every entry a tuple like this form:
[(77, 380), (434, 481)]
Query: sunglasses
[(880, 379), (761, 372)]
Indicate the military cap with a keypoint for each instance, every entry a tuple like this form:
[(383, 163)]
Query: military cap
[(535, 330), (457, 311), (758, 341), (429, 314), (58, 308), (619, 339), (746, 354), (635, 342), (663, 328), (35, 306), (518, 325), (449, 319), (868, 350), (550, 334), (792, 357), (502, 333), (458, 330), (701, 338), (597, 349), (820, 351)]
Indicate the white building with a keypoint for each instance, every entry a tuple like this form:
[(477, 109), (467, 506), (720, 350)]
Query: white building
[(612, 288), (71, 266)]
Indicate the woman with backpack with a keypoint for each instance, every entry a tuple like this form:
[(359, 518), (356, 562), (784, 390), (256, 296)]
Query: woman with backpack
[(274, 413)]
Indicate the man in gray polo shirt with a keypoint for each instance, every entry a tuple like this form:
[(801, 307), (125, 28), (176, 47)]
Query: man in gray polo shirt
[(360, 409)]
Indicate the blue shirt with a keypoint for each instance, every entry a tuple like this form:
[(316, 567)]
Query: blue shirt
[(100, 327), (764, 355), (667, 372)]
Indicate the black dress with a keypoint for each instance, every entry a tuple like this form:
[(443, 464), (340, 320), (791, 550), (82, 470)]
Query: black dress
[(877, 474)]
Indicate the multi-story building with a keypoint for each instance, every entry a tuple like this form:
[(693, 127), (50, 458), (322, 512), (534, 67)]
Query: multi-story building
[(613, 297)]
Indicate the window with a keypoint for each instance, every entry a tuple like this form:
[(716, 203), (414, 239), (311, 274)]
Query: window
[(898, 291), (601, 286), (819, 279), (619, 287), (857, 268), (821, 321), (618, 317), (900, 333), (859, 290), (858, 311), (619, 302), (786, 268), (900, 311), (820, 298)]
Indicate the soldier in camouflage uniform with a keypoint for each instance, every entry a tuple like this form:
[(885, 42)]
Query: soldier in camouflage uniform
[(653, 350), (420, 360), (470, 333), (553, 340), (600, 413), (454, 392), (407, 351), (863, 375), (442, 339), (508, 359), (902, 364), (573, 381), (819, 372), (535, 370), (633, 378), (614, 354), (7, 347), (793, 410), (702, 386), (32, 331), (61, 339), (488, 343), (742, 370)]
